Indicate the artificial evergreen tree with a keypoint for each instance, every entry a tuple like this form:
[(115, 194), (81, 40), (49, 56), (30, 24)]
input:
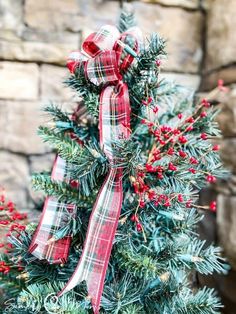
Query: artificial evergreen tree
[(166, 160)]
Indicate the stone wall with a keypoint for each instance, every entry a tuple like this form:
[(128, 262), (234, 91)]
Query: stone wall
[(36, 37)]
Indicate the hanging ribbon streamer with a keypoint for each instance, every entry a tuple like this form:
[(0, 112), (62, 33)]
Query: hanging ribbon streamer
[(110, 55), (47, 243)]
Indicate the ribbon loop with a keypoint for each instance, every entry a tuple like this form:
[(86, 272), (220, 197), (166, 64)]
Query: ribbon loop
[(102, 40), (103, 68)]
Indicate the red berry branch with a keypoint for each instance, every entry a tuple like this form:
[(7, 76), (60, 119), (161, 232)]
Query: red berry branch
[(176, 138), (11, 221)]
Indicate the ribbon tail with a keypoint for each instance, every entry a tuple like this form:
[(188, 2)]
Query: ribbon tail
[(99, 239), (55, 252), (44, 245)]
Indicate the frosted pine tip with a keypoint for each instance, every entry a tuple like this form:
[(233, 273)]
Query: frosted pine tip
[(122, 221), (127, 48), (51, 124), (94, 153), (84, 120), (132, 179), (178, 217), (23, 276), (164, 277), (197, 259)]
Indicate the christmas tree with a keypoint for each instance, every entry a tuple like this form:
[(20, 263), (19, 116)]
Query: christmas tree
[(132, 158)]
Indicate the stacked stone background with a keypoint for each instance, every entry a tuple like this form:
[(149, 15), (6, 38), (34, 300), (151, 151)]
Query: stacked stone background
[(36, 37)]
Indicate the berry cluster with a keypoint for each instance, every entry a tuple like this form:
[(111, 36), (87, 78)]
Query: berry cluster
[(171, 142), (9, 220)]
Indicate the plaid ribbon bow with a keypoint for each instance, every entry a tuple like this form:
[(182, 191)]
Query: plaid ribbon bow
[(106, 55)]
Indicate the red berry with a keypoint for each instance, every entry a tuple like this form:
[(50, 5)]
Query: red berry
[(4, 222), (167, 203), (150, 168), (183, 139), (160, 176), (221, 86), (162, 142), (143, 121), (139, 227), (204, 136), (171, 151), (213, 206), (134, 218), (74, 184), (182, 154), (193, 161), (203, 114), (180, 198), (141, 174), (158, 62), (155, 109), (205, 103), (211, 179), (172, 167), (189, 203), (216, 147), (176, 131), (190, 120), (189, 128), (151, 195), (192, 170), (150, 99), (142, 204), (180, 116)]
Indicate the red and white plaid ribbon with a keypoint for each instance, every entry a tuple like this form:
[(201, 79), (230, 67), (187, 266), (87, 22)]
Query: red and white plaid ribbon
[(55, 216), (107, 62)]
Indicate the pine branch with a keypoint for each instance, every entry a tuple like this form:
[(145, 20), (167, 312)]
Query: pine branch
[(63, 143), (126, 19), (56, 113), (86, 164), (41, 298), (63, 191), (204, 301), (63, 123), (86, 90), (119, 295), (139, 265), (154, 49)]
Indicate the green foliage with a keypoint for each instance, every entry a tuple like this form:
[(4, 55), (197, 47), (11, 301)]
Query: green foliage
[(41, 298), (10, 284), (63, 191), (88, 92), (85, 163), (126, 20)]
